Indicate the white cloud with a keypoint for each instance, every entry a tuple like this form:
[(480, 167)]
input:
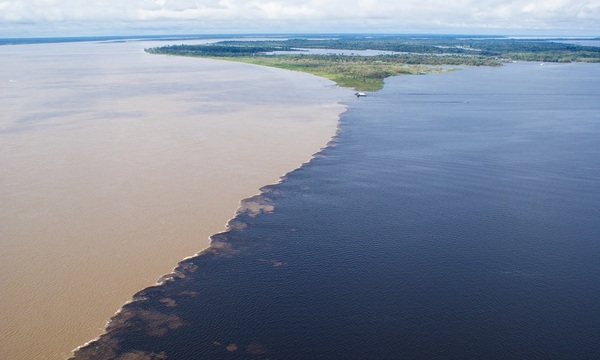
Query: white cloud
[(112, 16)]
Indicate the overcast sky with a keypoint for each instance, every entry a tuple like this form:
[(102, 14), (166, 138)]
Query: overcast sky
[(133, 17)]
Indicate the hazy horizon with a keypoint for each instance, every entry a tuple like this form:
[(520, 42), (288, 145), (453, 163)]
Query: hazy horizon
[(52, 18), (182, 36)]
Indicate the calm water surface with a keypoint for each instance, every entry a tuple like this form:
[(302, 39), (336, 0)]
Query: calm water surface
[(116, 164), (455, 216)]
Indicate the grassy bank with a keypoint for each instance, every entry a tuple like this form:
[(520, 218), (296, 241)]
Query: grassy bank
[(359, 74)]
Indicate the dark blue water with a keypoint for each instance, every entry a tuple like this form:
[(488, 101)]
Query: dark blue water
[(455, 216)]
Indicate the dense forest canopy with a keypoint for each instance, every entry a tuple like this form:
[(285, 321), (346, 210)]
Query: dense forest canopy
[(405, 54), (500, 48)]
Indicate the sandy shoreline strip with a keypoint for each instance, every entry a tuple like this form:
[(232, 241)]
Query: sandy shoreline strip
[(119, 164)]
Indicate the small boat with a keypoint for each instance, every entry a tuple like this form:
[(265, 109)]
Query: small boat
[(360, 93)]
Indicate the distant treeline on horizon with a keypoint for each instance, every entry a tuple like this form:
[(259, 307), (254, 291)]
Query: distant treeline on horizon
[(63, 39)]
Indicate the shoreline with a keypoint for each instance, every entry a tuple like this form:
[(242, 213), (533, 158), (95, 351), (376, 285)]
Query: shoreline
[(137, 149)]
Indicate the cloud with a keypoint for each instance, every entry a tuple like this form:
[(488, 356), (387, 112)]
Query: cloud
[(303, 15)]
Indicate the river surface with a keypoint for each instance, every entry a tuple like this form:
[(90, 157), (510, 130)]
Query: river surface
[(454, 216), (116, 164)]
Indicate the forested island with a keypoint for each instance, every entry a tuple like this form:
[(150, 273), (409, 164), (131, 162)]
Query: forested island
[(389, 55)]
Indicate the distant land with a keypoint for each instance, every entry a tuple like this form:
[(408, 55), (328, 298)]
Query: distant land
[(360, 61), (51, 40), (339, 58)]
